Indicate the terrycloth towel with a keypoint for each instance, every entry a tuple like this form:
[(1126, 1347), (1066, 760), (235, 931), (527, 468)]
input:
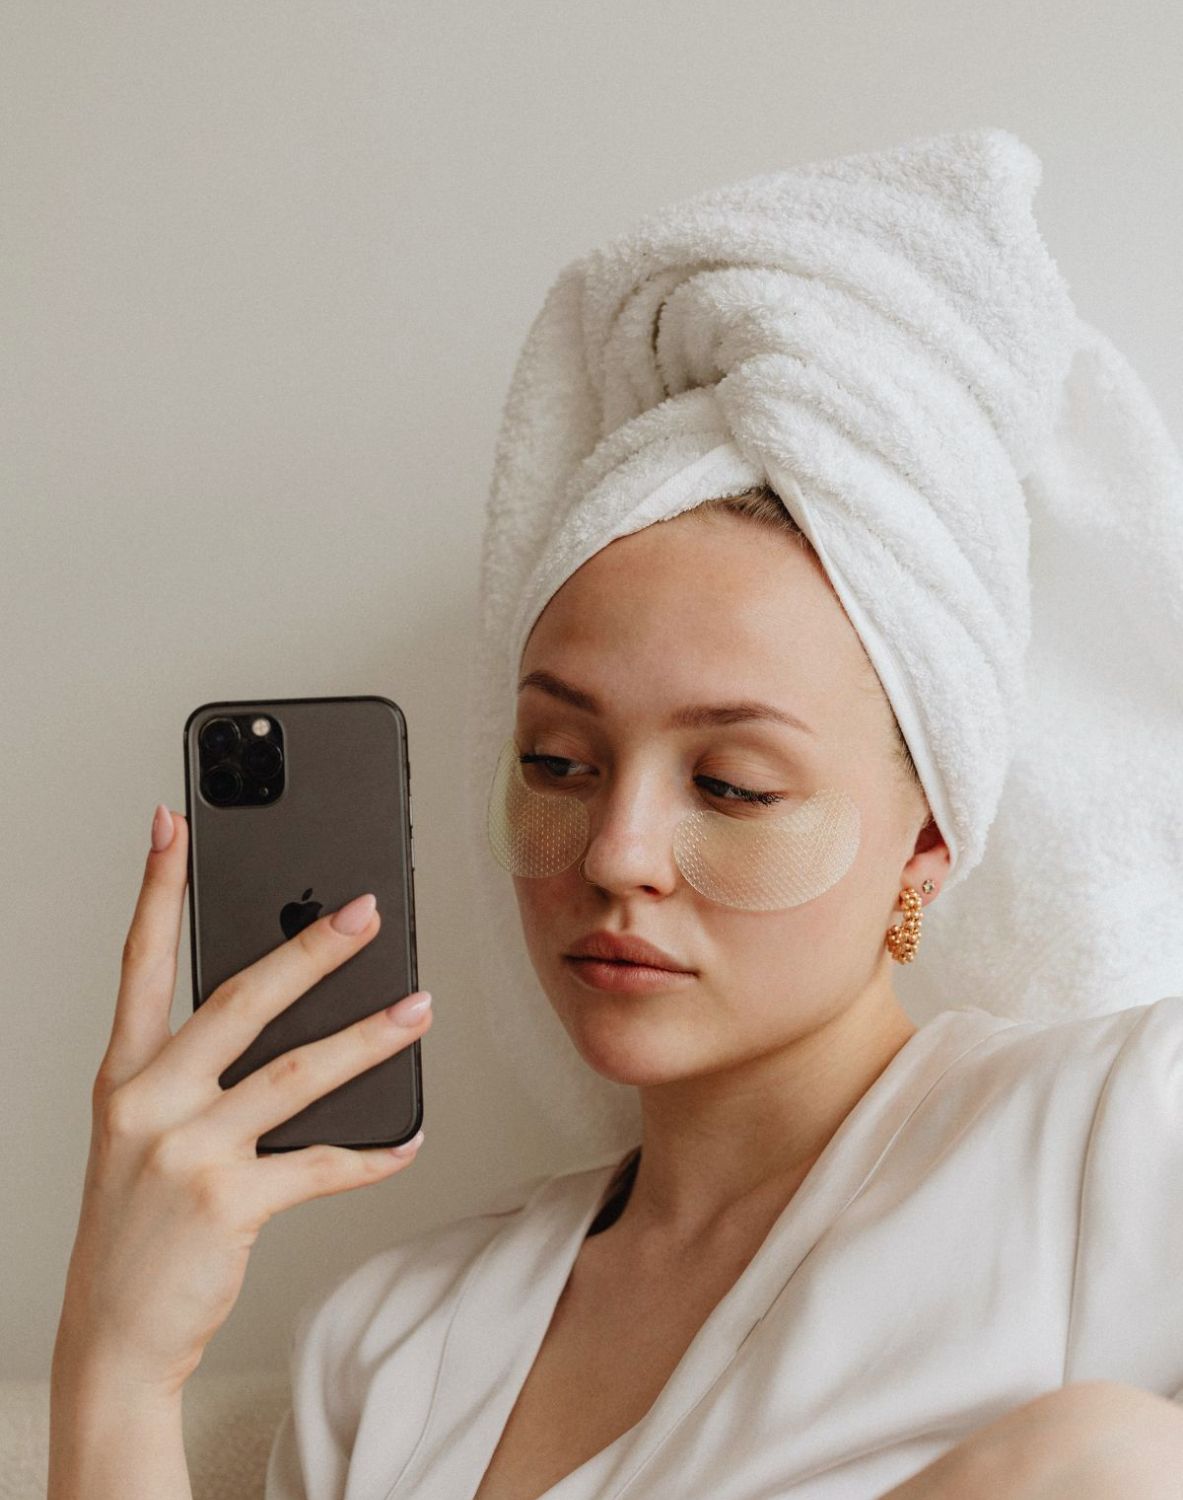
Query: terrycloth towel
[(884, 339)]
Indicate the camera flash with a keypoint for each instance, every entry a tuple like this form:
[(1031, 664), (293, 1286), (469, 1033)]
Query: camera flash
[(260, 727)]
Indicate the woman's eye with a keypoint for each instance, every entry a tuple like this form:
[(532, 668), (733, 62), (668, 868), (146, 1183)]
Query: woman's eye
[(742, 793), (737, 793), (548, 761)]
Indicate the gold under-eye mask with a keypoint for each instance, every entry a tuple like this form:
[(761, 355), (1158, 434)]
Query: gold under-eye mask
[(755, 862)]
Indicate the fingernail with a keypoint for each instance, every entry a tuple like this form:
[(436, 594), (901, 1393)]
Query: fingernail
[(162, 828), (410, 1008), (408, 1146), (354, 915)]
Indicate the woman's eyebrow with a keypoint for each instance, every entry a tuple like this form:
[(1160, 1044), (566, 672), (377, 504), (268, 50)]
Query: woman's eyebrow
[(690, 716)]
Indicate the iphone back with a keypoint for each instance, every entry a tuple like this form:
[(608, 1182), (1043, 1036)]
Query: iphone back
[(295, 806)]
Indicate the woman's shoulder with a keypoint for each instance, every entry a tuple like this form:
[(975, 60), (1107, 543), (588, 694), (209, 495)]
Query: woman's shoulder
[(1044, 1094), (1077, 1052), (1127, 1308)]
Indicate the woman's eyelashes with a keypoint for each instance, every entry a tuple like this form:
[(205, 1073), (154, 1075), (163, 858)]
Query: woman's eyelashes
[(741, 793)]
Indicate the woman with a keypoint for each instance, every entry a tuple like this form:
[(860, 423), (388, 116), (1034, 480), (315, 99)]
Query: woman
[(738, 1312), (848, 1257), (747, 1067)]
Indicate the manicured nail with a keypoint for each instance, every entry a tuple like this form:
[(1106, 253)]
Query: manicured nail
[(162, 828), (354, 915), (410, 1008)]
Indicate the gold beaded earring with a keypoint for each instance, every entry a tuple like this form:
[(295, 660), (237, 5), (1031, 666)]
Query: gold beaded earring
[(904, 938)]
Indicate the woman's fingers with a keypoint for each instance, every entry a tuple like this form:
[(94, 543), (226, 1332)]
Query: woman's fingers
[(226, 1023), (280, 1088), (175, 1193), (291, 1177), (148, 965)]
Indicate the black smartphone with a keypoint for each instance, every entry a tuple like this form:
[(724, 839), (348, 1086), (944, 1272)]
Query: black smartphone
[(295, 806)]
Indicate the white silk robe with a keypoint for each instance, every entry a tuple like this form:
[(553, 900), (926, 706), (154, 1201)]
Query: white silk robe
[(1000, 1214)]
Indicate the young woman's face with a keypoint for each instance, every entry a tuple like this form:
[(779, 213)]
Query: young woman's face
[(706, 609)]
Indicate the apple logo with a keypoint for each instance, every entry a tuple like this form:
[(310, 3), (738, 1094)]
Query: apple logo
[(296, 915)]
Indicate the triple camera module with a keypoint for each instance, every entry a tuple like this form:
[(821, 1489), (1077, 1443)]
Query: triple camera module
[(242, 762)]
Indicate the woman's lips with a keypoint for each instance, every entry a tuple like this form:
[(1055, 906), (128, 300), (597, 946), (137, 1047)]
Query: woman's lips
[(625, 978)]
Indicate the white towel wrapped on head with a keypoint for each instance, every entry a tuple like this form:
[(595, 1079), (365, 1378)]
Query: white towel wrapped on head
[(885, 340)]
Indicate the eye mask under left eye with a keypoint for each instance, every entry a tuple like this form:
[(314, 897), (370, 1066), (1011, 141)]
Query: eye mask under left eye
[(754, 862)]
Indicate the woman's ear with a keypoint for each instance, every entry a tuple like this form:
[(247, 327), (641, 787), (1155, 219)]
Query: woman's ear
[(930, 861)]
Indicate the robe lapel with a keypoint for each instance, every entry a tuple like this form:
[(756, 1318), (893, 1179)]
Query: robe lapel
[(501, 1317), (510, 1294)]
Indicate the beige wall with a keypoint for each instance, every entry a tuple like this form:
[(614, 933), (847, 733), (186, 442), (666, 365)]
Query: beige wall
[(266, 271)]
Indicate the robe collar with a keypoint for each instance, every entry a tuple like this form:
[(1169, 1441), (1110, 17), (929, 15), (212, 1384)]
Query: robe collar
[(508, 1298)]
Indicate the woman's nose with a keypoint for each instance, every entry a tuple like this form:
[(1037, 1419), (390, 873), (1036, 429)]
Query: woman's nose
[(630, 845)]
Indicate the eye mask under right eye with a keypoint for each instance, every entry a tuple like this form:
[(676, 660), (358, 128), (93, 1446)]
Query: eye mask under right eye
[(756, 861)]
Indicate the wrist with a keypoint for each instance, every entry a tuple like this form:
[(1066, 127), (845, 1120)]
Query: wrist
[(96, 1376), (111, 1435)]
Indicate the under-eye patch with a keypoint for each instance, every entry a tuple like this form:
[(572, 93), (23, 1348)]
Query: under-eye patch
[(752, 859)]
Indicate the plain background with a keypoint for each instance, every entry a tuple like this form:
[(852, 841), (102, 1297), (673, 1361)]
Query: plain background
[(267, 269)]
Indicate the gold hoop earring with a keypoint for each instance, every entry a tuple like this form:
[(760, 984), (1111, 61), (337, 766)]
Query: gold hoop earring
[(904, 938)]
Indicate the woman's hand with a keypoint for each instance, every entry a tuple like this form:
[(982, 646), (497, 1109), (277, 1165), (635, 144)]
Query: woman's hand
[(175, 1194), (1091, 1440)]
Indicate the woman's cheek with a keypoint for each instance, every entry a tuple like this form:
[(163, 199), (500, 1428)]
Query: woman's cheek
[(545, 912)]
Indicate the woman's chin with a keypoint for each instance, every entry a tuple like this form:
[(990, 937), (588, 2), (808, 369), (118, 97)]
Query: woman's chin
[(634, 1066), (628, 1047)]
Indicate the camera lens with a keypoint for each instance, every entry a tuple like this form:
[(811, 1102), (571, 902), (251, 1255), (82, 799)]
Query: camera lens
[(219, 736), (261, 759), (221, 785)]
